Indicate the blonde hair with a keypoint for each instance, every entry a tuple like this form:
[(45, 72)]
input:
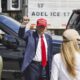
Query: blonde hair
[(68, 49)]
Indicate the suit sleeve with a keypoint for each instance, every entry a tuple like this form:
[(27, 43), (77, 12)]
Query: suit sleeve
[(23, 33)]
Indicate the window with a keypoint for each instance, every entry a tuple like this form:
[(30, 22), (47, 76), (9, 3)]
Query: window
[(8, 41), (15, 3), (75, 21)]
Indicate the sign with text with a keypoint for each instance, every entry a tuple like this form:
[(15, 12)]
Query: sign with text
[(57, 12)]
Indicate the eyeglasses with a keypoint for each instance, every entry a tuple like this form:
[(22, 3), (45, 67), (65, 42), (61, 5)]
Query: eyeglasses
[(26, 19), (69, 40), (78, 39), (65, 39)]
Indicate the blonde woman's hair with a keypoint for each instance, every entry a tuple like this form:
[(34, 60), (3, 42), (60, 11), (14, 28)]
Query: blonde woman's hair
[(68, 49)]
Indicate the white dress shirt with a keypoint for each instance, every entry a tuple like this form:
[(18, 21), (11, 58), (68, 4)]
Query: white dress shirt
[(38, 56), (59, 72)]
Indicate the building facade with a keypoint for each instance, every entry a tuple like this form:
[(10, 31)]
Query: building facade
[(12, 8)]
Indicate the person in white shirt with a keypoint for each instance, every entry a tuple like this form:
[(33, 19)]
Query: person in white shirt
[(66, 64), (1, 66)]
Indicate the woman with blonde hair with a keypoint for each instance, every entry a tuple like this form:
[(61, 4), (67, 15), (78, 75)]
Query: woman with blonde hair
[(66, 65)]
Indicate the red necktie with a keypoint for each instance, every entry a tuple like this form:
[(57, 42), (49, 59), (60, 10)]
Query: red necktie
[(43, 51)]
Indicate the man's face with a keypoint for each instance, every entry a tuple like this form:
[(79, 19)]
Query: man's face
[(41, 29), (25, 20)]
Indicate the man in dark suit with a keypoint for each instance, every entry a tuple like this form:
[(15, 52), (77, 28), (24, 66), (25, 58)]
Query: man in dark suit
[(38, 52)]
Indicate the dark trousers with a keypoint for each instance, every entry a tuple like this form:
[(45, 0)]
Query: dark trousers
[(35, 72)]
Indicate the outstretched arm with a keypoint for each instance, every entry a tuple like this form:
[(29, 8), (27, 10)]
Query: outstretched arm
[(22, 30)]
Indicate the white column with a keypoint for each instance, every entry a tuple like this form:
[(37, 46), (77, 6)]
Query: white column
[(25, 7), (0, 7)]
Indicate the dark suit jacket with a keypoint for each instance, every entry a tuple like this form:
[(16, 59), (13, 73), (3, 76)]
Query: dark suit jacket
[(31, 38)]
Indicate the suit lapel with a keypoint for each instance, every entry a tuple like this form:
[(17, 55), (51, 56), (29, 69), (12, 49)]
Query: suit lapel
[(48, 43), (36, 38), (47, 39)]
